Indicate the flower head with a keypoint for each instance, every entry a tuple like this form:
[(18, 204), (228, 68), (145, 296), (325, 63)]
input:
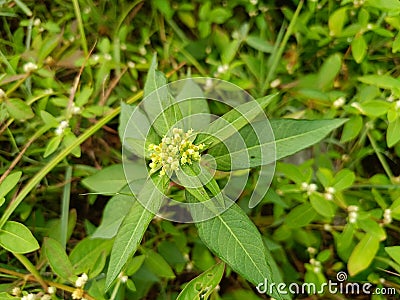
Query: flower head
[(174, 150)]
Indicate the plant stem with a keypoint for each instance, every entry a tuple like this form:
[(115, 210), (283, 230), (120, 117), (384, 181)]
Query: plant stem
[(380, 157), (59, 157), (282, 47), (77, 11), (115, 290), (65, 207), (48, 282), (31, 268)]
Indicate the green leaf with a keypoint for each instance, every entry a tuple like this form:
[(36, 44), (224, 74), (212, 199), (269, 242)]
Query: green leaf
[(393, 133), (52, 146), (69, 139), (236, 240), (300, 216), (388, 5), (134, 226), (58, 259), (322, 206), (203, 285), (48, 119), (114, 212), (291, 136), (372, 227), (394, 253), (374, 108), (227, 125), (328, 71), (359, 48), (191, 103), (18, 109), (396, 43), (343, 180), (363, 254), (161, 108), (336, 21), (16, 237), (6, 296), (382, 81), (9, 183), (351, 129), (157, 264), (259, 44), (86, 253), (219, 15), (108, 180)]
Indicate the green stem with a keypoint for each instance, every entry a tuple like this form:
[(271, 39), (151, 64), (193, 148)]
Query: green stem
[(59, 157), (282, 47), (380, 157), (31, 268), (65, 206), (80, 26), (115, 290)]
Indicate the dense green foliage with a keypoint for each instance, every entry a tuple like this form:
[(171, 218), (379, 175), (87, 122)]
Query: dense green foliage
[(325, 72)]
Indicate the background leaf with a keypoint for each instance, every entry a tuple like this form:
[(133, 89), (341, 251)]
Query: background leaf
[(203, 285), (16, 237), (58, 259), (363, 254)]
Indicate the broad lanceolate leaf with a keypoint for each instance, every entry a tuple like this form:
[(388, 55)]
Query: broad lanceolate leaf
[(108, 180), (203, 285), (157, 264), (58, 259), (134, 226), (161, 108), (9, 183), (363, 254), (17, 238), (227, 125), (237, 241), (291, 136)]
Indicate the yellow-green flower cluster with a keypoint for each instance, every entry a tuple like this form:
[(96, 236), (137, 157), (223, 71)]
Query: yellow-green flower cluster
[(173, 151)]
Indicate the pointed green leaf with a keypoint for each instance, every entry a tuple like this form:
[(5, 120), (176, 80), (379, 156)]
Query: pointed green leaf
[(363, 254), (161, 108), (203, 285), (227, 125), (134, 226), (52, 146), (58, 259), (16, 237), (9, 183), (291, 136), (236, 240)]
